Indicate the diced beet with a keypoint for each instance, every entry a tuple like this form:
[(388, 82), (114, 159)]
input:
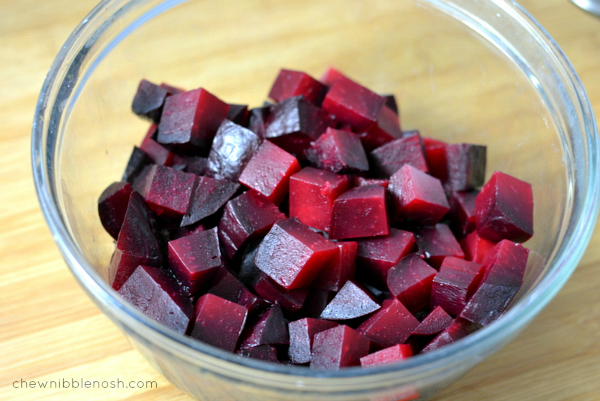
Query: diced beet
[(435, 154), (457, 330), (475, 248), (338, 347), (360, 212), (257, 119), (410, 281), (385, 356), (436, 321), (317, 304), (294, 123), (157, 294), (352, 103), (292, 254), (137, 161), (359, 181), (302, 333), (245, 217), (350, 302), (418, 196), (189, 163), (238, 113), (218, 322), (157, 153), (181, 232), (435, 243), (462, 212), (312, 193), (291, 83), (123, 264), (232, 148), (195, 258), (330, 76), (390, 101), (248, 273), (191, 118), (209, 196), (169, 191), (269, 329), (379, 254), (389, 158), (392, 324), (502, 278), (112, 206), (227, 286), (263, 352), (505, 209), (454, 284), (291, 300), (269, 171), (148, 100), (340, 268), (339, 152), (386, 129), (465, 166)]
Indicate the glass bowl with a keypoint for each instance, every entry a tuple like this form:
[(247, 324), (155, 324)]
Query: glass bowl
[(463, 70)]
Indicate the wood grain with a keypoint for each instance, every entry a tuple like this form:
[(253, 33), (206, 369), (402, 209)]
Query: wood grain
[(50, 330)]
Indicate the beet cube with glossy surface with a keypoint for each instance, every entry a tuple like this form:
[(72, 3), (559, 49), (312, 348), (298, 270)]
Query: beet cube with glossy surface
[(291, 83), (209, 195), (340, 269), (350, 302), (390, 325), (389, 158), (475, 247), (339, 152), (338, 347), (460, 328), (291, 300), (435, 243), (386, 129), (385, 356), (112, 206), (302, 333), (436, 321), (410, 281), (360, 212), (218, 322), (435, 155), (227, 286), (168, 191), (463, 212), (270, 328), (378, 255), (454, 284), (465, 166)]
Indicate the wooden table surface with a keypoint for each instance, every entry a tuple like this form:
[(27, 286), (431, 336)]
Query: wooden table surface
[(50, 330)]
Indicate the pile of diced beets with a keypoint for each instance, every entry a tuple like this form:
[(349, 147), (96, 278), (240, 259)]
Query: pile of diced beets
[(312, 230)]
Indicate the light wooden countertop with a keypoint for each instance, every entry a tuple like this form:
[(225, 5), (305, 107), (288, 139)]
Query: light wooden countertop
[(50, 330)]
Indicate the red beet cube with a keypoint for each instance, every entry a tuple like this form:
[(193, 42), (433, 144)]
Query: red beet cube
[(502, 278), (339, 152), (460, 328), (157, 153), (227, 286), (385, 130), (231, 150), (218, 322), (191, 118), (390, 325), (338, 347), (157, 294), (505, 209), (391, 354), (359, 181), (465, 166), (462, 212), (418, 196), (291, 300), (148, 100), (330, 76), (360, 212), (269, 171), (435, 243), (169, 191), (410, 281), (209, 196), (302, 333), (269, 329), (292, 254), (389, 158), (238, 113), (245, 217), (379, 254), (195, 258), (475, 247), (353, 104), (454, 284), (350, 302), (263, 352), (291, 83), (436, 321), (312, 193), (435, 154), (112, 206), (340, 269)]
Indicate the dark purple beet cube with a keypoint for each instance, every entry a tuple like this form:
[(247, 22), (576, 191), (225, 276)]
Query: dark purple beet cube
[(232, 148), (389, 158), (257, 120), (502, 278), (465, 166), (195, 258), (137, 161), (378, 255), (148, 100), (196, 165), (157, 153), (350, 302), (436, 321), (168, 191), (227, 286), (418, 196), (191, 118), (318, 302), (435, 243), (291, 300), (247, 216), (302, 333), (340, 268), (291, 83), (392, 324), (460, 328), (386, 129), (339, 152), (171, 90), (112, 206), (266, 353), (312, 193), (238, 113), (359, 181), (462, 212), (209, 196), (454, 284), (353, 104), (269, 329), (475, 248), (338, 347), (269, 171), (218, 322), (410, 281), (293, 255), (505, 209), (390, 102), (157, 294), (435, 154), (388, 355), (360, 212)]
